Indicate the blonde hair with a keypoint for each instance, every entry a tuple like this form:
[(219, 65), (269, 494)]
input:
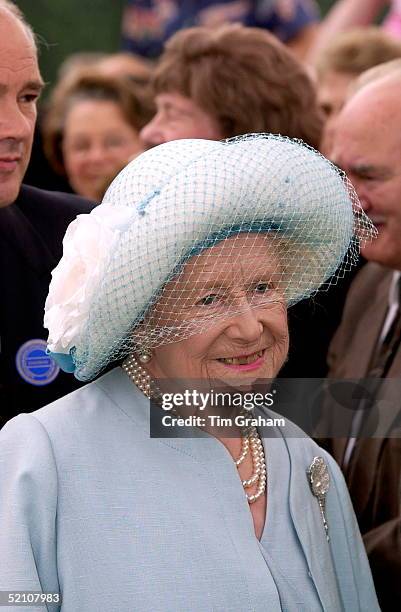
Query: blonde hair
[(357, 50)]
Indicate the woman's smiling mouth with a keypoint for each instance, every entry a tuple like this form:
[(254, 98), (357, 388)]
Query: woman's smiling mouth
[(244, 362)]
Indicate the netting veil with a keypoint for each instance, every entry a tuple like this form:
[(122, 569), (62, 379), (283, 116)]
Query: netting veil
[(189, 235)]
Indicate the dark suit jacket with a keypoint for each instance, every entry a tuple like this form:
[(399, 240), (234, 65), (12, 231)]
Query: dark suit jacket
[(373, 473), (312, 324), (31, 233)]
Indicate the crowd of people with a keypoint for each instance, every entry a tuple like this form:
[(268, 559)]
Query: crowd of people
[(219, 202)]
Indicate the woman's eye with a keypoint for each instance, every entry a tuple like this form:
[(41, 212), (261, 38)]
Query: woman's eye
[(262, 287), (208, 300)]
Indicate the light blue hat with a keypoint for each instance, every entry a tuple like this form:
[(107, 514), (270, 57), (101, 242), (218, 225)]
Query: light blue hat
[(171, 204)]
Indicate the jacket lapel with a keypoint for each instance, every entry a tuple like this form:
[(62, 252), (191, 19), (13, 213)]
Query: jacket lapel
[(357, 360), (367, 334), (361, 470), (361, 476)]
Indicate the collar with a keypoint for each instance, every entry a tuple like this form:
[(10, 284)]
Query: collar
[(395, 290)]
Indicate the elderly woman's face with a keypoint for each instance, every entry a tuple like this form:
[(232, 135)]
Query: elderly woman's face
[(231, 293)]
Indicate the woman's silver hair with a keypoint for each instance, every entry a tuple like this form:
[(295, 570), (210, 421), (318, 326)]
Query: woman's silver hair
[(12, 8)]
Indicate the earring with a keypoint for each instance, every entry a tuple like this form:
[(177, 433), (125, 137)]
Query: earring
[(145, 356)]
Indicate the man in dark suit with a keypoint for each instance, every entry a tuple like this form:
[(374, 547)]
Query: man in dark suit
[(366, 440), (32, 225)]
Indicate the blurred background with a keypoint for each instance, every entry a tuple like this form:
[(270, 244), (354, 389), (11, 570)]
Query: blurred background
[(69, 26)]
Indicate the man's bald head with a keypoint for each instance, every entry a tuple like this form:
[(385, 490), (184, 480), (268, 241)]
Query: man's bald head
[(383, 87), (12, 9), (375, 74), (20, 86), (367, 145), (374, 109)]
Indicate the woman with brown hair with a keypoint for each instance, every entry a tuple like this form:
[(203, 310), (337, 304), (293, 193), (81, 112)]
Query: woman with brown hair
[(232, 80), (91, 129)]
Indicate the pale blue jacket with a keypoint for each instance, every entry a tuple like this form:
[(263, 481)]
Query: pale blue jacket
[(116, 521)]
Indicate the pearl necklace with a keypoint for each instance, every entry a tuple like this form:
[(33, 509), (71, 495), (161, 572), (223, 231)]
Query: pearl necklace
[(250, 437)]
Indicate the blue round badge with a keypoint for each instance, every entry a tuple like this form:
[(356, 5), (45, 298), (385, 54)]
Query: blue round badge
[(34, 365)]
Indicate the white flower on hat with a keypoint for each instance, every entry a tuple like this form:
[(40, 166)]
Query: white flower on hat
[(87, 245)]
